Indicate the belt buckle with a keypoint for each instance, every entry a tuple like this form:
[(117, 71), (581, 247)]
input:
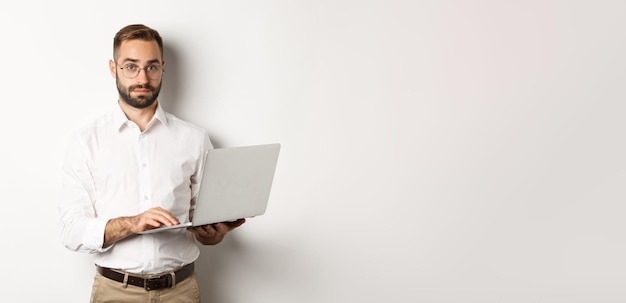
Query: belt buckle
[(145, 284), (158, 284)]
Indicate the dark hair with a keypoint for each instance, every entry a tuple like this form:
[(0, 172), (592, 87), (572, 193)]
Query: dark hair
[(133, 32)]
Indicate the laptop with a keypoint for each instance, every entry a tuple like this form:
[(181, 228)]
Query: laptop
[(236, 184)]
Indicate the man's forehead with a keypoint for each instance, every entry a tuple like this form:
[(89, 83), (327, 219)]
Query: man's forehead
[(139, 50)]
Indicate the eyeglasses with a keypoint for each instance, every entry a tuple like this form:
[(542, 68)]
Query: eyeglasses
[(153, 71)]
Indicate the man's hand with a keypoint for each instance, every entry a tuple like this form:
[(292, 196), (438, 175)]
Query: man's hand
[(152, 218), (212, 234), (120, 228)]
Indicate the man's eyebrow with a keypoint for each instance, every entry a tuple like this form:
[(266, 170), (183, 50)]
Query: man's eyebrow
[(132, 60)]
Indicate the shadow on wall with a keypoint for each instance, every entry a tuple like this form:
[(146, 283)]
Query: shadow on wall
[(172, 80), (215, 262), (171, 97)]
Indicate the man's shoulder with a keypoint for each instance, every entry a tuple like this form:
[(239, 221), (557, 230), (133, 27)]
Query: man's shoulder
[(185, 125), (95, 125), (188, 132)]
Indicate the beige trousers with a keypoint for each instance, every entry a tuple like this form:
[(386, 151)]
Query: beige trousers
[(105, 290)]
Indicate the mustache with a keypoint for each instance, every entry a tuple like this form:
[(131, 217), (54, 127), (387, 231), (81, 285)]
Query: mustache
[(141, 86)]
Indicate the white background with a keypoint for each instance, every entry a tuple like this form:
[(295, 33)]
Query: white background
[(433, 151)]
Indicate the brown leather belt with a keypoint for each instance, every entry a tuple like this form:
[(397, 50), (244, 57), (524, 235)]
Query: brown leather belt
[(166, 280)]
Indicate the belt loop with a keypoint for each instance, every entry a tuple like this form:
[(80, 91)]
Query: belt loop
[(125, 282), (173, 274)]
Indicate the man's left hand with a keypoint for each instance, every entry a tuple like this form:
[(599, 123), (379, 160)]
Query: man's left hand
[(212, 234)]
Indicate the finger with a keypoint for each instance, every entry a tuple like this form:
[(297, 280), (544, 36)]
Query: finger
[(203, 230), (219, 228), (162, 216), (152, 223), (235, 224), (210, 229), (224, 228)]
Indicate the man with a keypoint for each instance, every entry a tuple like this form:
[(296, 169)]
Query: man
[(133, 169)]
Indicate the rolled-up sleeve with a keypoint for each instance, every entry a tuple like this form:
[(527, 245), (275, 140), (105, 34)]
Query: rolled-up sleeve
[(80, 228)]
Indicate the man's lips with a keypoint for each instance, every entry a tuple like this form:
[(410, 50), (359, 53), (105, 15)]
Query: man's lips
[(141, 90)]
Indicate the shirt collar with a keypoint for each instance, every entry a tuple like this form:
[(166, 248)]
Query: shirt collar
[(159, 114), (120, 119)]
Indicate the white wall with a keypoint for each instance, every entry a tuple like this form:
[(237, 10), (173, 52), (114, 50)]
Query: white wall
[(433, 151)]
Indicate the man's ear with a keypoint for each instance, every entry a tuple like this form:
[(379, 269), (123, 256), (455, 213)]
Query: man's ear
[(112, 68)]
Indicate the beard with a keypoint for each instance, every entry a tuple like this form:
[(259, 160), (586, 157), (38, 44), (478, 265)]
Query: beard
[(139, 101)]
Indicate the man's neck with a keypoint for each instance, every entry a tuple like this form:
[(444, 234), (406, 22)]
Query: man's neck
[(141, 116)]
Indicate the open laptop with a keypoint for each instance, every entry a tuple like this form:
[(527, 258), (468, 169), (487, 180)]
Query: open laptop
[(236, 184)]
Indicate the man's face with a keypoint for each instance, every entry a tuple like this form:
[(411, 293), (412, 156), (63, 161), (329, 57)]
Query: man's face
[(142, 90)]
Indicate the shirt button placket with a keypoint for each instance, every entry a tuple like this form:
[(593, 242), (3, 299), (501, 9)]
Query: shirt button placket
[(144, 172), (144, 191)]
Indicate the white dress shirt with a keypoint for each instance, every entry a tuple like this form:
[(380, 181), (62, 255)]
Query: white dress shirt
[(112, 169)]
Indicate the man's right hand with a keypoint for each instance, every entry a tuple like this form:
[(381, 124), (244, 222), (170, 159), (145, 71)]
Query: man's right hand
[(122, 227), (152, 218)]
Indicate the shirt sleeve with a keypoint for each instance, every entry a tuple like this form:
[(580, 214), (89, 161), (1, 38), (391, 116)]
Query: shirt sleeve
[(197, 176), (80, 228)]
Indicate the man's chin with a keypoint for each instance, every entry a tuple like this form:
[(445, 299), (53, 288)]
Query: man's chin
[(143, 104), (140, 102)]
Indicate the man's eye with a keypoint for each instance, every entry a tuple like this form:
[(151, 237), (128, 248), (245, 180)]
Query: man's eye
[(131, 67), (152, 67)]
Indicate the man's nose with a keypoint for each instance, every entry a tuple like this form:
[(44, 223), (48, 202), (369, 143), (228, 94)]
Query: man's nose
[(142, 76)]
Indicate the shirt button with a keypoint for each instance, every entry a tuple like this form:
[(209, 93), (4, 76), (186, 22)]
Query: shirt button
[(144, 165), (145, 197)]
